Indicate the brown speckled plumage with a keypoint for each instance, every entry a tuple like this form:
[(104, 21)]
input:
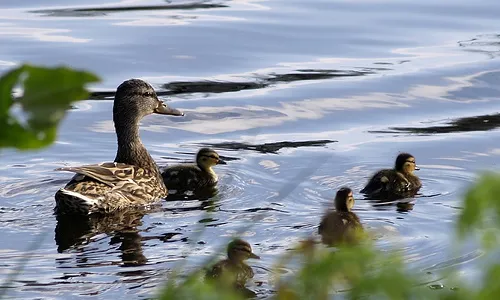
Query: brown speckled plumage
[(194, 176), (397, 183), (341, 226), (233, 270), (133, 179)]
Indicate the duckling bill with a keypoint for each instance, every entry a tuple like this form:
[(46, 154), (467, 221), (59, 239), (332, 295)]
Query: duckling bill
[(133, 179), (341, 226), (233, 270), (397, 183), (194, 176)]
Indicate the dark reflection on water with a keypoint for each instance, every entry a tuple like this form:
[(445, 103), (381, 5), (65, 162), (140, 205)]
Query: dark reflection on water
[(269, 147), (102, 11), (401, 206), (130, 245), (73, 231), (467, 124), (181, 87), (261, 81), (488, 44), (202, 194), (310, 74)]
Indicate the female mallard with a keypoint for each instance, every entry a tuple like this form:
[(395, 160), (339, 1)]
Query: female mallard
[(342, 225), (397, 183), (133, 179), (195, 176), (233, 270)]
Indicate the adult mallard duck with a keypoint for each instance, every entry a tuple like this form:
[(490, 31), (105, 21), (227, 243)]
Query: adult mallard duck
[(342, 225), (194, 176), (397, 183), (233, 271), (133, 179)]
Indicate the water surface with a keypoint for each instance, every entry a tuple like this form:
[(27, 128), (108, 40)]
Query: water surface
[(301, 98)]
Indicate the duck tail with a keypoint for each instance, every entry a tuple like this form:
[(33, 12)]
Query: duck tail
[(70, 202)]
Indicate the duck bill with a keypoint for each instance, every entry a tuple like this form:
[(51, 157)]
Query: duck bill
[(417, 168), (221, 162), (253, 255), (166, 110)]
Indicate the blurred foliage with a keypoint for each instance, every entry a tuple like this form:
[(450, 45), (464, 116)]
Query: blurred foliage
[(194, 287), (481, 205), (363, 271), (31, 121)]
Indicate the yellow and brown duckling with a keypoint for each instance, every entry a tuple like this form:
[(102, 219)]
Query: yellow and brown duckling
[(133, 179), (233, 270), (341, 226), (194, 176), (397, 183)]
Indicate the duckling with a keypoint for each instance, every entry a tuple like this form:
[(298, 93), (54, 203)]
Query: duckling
[(234, 270), (133, 179), (342, 225), (397, 183), (194, 176)]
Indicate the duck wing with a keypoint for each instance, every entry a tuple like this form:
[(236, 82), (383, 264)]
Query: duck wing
[(185, 177), (378, 182), (216, 270), (115, 175)]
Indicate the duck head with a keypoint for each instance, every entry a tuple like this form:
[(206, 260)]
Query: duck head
[(135, 99), (239, 250), (344, 200), (405, 163), (207, 158)]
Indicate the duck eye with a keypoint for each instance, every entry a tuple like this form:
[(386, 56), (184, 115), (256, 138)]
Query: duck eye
[(147, 94)]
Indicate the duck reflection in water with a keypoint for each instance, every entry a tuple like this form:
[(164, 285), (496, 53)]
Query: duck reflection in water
[(402, 205), (341, 226), (74, 231)]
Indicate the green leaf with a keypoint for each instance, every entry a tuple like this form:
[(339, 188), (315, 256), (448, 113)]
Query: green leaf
[(47, 94), (481, 200), (7, 83)]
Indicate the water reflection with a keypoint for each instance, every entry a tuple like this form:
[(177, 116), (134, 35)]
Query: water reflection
[(402, 206), (202, 194), (102, 11), (269, 147), (75, 231), (488, 44), (131, 247), (260, 82), (467, 124)]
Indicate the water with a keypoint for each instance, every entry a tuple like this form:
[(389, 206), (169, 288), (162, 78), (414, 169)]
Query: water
[(357, 81)]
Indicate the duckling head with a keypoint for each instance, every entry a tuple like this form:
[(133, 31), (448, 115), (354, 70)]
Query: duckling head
[(239, 250), (344, 200), (207, 158), (135, 99), (405, 163)]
